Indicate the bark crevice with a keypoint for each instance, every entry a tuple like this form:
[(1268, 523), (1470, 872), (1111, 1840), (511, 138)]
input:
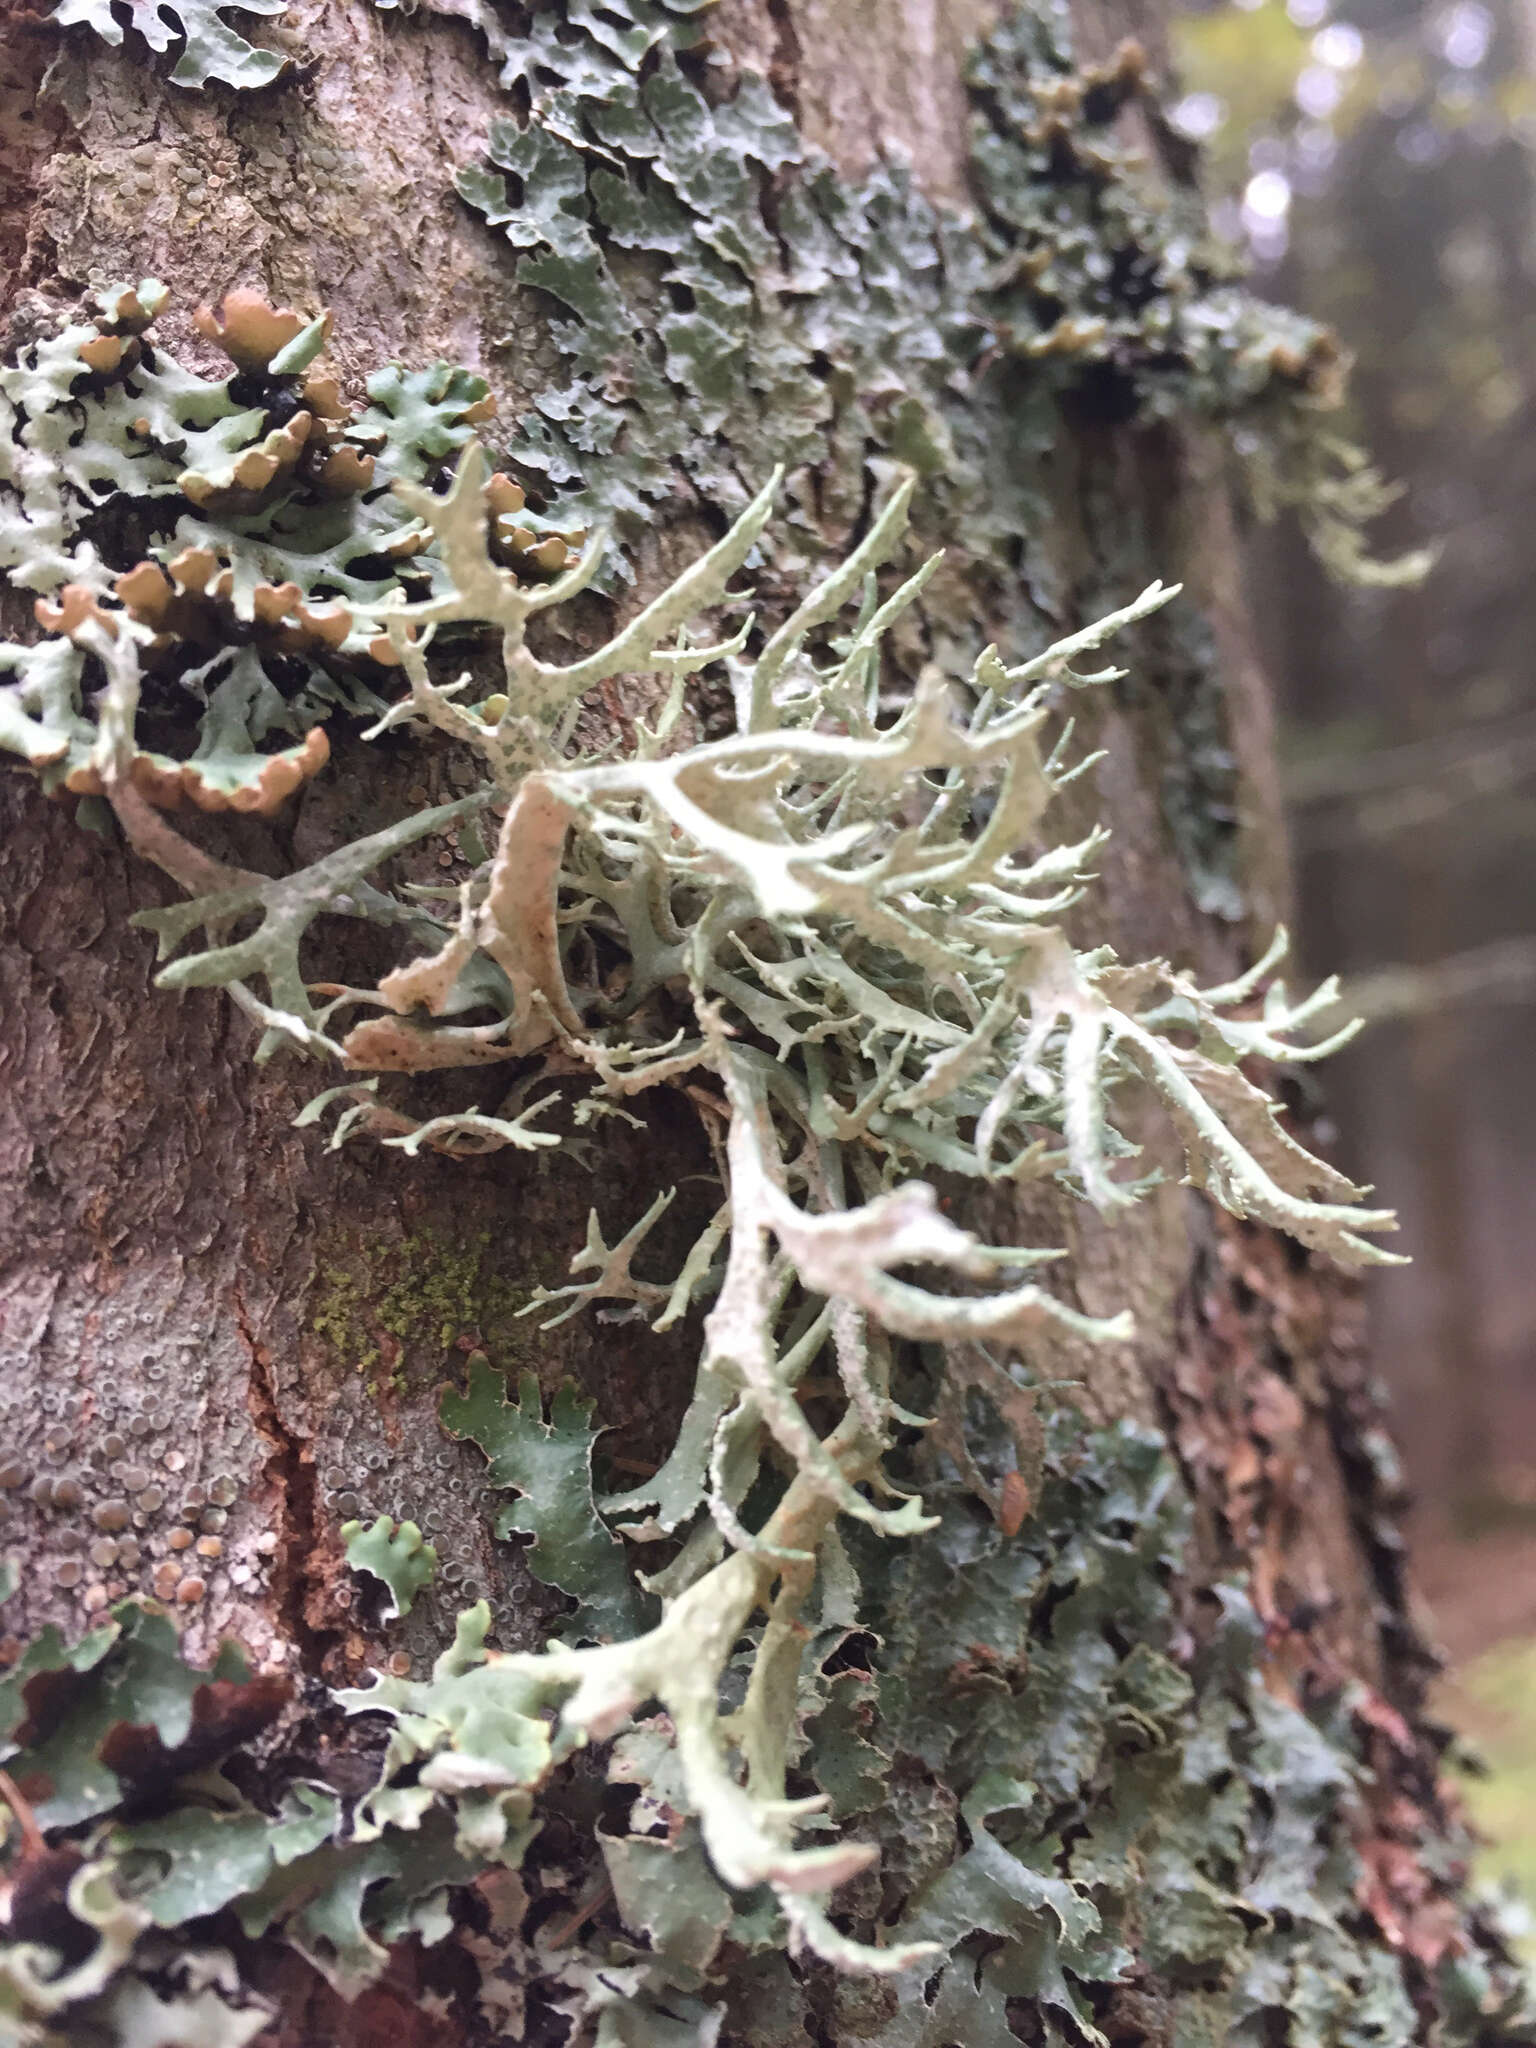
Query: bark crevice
[(299, 1590)]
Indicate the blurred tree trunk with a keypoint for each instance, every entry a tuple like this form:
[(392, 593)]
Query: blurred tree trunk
[(213, 1325), (1415, 245)]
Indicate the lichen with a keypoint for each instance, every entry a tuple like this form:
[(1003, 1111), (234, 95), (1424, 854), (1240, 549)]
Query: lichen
[(1039, 1689), (723, 301), (396, 1555), (546, 1465), (244, 527), (916, 1701), (702, 332), (823, 924), (210, 47)]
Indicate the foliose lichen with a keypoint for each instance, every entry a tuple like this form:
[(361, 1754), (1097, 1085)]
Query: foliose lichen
[(208, 45), (245, 525), (394, 1553), (727, 300), (1022, 1722)]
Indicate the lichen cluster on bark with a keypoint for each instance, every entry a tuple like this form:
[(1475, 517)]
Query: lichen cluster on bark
[(1184, 1668)]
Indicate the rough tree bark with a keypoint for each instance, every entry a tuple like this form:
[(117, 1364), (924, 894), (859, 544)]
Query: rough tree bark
[(213, 1326)]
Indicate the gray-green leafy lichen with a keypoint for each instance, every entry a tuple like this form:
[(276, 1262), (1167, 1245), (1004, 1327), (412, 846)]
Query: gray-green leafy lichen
[(208, 46), (547, 1468), (724, 300), (246, 523), (1099, 1817), (393, 1553), (703, 329)]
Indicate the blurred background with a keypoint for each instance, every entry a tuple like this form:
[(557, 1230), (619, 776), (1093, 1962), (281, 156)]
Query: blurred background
[(1377, 159)]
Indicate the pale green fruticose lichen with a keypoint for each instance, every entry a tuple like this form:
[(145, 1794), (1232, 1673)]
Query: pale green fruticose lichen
[(724, 300), (842, 924), (821, 925), (842, 927)]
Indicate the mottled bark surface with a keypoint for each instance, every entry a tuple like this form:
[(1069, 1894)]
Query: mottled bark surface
[(196, 1300)]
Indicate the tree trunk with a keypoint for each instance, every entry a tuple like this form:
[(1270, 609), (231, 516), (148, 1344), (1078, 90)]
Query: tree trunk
[(224, 1341), (1437, 1103)]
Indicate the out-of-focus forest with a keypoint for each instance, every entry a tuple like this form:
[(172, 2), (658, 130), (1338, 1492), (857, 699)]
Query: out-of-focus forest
[(1378, 160)]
